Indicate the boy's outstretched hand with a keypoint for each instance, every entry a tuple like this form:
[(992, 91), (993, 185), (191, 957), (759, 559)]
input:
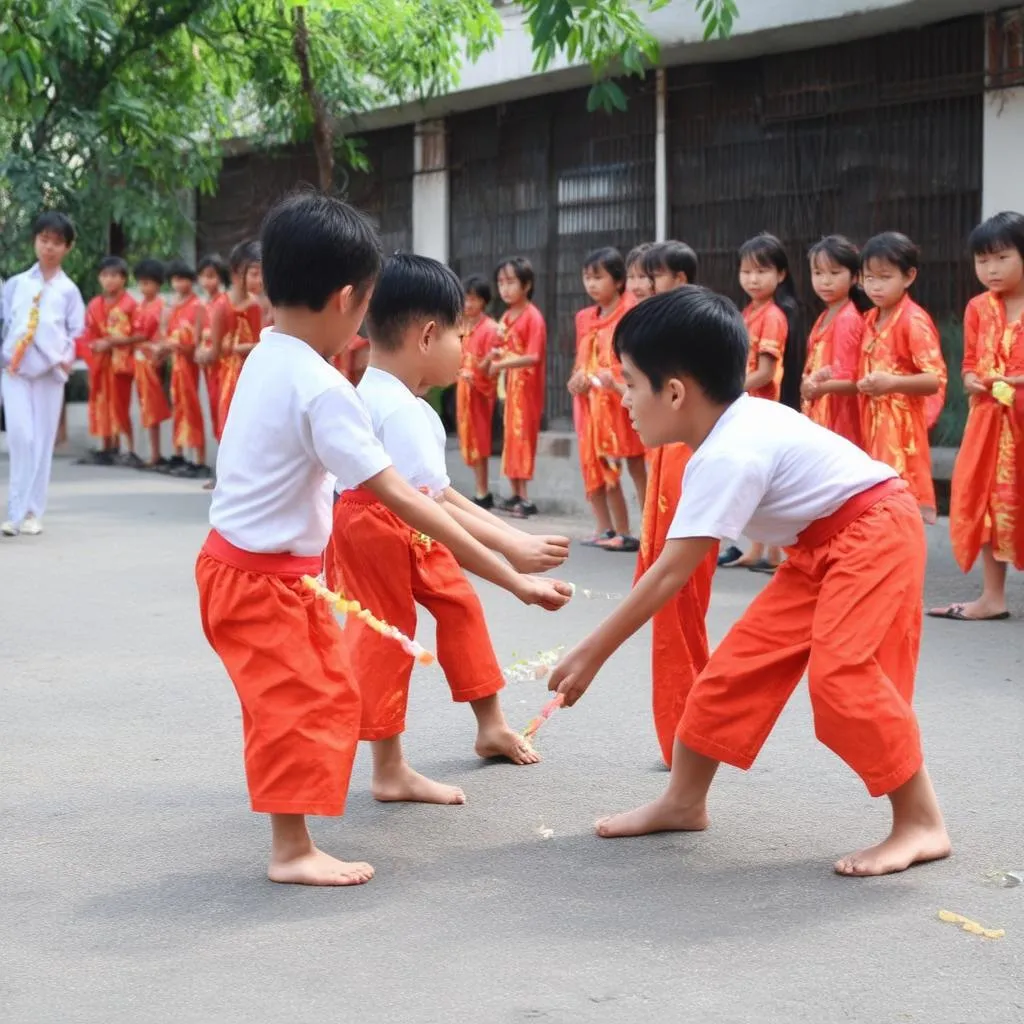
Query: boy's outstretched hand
[(538, 554), (575, 672), (549, 594)]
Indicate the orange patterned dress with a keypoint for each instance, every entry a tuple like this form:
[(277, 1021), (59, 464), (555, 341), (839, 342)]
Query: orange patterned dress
[(767, 328)]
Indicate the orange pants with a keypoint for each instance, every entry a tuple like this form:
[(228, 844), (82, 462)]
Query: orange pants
[(122, 401), (282, 648), (679, 634), (153, 405), (846, 606), (388, 568)]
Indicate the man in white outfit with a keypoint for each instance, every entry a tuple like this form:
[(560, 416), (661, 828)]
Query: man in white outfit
[(42, 313)]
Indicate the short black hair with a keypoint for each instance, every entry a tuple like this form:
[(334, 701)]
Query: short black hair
[(675, 257), (1003, 231), (478, 285), (313, 246), (57, 222), (610, 259), (150, 270), (692, 332), (215, 261), (891, 247), (178, 268), (636, 255), (522, 268), (243, 254), (116, 264), (412, 288)]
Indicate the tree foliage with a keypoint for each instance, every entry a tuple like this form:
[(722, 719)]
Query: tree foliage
[(115, 109)]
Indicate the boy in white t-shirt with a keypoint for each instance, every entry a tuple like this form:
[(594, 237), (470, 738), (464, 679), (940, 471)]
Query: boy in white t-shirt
[(845, 606), (294, 421), (414, 319)]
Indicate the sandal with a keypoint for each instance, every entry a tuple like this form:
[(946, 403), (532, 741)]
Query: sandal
[(620, 542), (729, 557), (523, 510), (510, 504), (597, 540), (956, 613), (763, 565)]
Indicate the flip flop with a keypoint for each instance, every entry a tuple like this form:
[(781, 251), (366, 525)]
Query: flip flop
[(729, 557), (595, 541), (764, 566), (620, 542), (956, 613)]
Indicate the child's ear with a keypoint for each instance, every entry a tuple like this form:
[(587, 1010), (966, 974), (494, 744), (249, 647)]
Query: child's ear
[(911, 276), (428, 334)]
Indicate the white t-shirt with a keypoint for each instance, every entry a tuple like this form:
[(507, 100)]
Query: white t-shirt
[(61, 320), (410, 431), (767, 472), (294, 422)]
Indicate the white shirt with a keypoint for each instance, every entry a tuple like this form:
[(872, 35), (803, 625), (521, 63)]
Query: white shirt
[(767, 472), (410, 431), (61, 320), (294, 422)]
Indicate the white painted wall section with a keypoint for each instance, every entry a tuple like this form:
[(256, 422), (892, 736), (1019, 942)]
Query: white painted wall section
[(1002, 185), (430, 197)]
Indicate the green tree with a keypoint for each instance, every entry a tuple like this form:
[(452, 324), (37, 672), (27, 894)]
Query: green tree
[(115, 108)]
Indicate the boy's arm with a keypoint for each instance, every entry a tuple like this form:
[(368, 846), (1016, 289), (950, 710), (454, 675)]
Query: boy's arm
[(416, 509), (670, 572), (526, 552)]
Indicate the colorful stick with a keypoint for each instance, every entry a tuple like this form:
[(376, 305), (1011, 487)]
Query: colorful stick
[(346, 607), (545, 713)]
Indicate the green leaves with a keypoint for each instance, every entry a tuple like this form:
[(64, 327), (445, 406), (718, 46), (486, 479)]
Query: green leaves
[(718, 17)]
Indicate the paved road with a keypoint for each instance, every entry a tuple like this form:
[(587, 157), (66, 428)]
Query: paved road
[(130, 869)]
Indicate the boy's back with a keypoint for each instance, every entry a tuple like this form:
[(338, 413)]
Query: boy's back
[(273, 492)]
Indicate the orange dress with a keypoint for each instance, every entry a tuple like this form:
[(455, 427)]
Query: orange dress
[(836, 345), (679, 635), (476, 393), (105, 320), (211, 371), (344, 362), (605, 432), (242, 326), (153, 406), (524, 391), (767, 328), (187, 427), (987, 497), (894, 427)]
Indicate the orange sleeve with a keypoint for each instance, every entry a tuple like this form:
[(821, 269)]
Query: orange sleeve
[(847, 338), (772, 339), (91, 332), (583, 318), (536, 340), (925, 350), (254, 314), (972, 323)]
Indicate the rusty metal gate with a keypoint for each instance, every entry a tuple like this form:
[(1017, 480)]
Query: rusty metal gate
[(546, 180), (879, 134), (250, 183)]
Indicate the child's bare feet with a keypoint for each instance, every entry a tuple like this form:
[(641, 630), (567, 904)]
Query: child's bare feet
[(400, 784), (502, 741), (661, 815), (318, 868), (905, 846)]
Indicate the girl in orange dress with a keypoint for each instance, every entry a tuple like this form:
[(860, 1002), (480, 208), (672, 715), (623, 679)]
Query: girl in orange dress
[(775, 358), (639, 283), (829, 387), (214, 278), (148, 329), (606, 437), (521, 354), (986, 509), (902, 372), (476, 391)]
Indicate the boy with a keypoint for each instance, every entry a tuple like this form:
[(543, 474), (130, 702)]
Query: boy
[(846, 605), (415, 317), (679, 633), (188, 431), (147, 331), (42, 314), (294, 421)]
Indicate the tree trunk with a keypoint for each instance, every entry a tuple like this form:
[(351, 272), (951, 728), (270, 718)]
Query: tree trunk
[(323, 132)]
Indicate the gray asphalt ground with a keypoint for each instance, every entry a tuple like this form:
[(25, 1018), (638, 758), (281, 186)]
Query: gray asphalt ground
[(131, 871)]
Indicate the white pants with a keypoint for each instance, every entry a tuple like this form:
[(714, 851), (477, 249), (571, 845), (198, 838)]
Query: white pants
[(32, 412)]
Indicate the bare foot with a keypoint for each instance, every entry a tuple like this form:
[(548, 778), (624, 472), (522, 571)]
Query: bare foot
[(403, 785), (501, 741), (970, 611), (903, 848), (658, 816), (318, 868)]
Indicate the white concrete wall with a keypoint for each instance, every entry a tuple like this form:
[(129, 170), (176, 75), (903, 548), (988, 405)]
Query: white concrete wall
[(1003, 152), (430, 201)]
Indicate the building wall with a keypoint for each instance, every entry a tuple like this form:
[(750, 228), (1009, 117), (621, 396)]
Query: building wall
[(1004, 151)]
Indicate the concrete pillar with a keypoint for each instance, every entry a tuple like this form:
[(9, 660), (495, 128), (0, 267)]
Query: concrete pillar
[(661, 210), (430, 199), (1002, 151)]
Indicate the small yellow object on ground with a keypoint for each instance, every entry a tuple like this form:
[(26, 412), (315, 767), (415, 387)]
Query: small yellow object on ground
[(971, 926)]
